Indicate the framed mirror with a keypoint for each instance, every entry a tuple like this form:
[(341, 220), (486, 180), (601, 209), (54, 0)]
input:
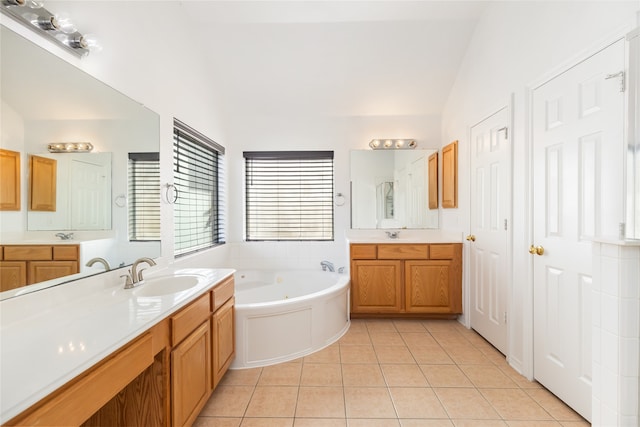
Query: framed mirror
[(47, 100), (390, 189)]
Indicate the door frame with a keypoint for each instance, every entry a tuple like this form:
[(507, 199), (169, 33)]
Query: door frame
[(509, 105), (525, 259)]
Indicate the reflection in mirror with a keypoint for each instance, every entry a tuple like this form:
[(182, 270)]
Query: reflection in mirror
[(45, 99), (389, 189)]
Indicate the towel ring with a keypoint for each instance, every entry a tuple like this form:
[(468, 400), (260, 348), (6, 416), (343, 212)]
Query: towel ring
[(120, 200), (171, 188), (339, 199)]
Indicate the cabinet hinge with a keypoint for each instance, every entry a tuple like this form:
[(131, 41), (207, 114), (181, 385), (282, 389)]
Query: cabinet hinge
[(619, 74), (505, 317), (505, 224)]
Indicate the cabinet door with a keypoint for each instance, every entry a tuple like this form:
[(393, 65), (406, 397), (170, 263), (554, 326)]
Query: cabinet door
[(9, 180), (223, 340), (13, 274), (39, 271), (376, 286), (432, 287), (42, 184), (191, 375)]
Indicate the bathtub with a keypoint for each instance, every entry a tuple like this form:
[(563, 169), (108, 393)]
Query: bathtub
[(283, 315)]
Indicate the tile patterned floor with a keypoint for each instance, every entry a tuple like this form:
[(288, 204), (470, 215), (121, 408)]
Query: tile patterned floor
[(384, 373)]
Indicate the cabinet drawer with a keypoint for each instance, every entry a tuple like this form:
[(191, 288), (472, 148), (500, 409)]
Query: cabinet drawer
[(221, 293), (363, 251), (187, 320), (28, 253), (442, 251), (401, 251), (65, 253)]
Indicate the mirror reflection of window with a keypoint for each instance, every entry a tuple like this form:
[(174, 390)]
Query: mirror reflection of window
[(144, 196)]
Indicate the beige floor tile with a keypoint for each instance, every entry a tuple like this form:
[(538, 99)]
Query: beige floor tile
[(357, 354), (408, 325), (362, 375), (425, 423), (466, 403), (320, 402), (267, 422), (321, 374), (534, 423), (281, 374), (217, 422), (449, 337), (320, 422), (487, 376), (440, 325), (479, 423), (273, 401), (445, 376), (359, 325), (228, 401), (380, 325), (416, 403), (403, 376), (241, 377), (418, 339), (554, 406), (355, 338), (583, 423), (393, 354), (468, 356), (329, 354), (515, 404), (368, 402), (517, 378), (359, 422), (431, 356), (386, 338)]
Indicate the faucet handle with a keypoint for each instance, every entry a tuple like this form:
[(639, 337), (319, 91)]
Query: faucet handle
[(140, 278), (128, 284)]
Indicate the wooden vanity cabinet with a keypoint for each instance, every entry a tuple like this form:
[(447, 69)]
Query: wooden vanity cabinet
[(28, 264), (406, 279)]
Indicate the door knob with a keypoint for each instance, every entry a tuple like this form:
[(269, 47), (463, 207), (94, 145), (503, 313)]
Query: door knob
[(471, 238), (536, 250)]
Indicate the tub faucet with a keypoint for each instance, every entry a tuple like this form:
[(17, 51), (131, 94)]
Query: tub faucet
[(65, 236), (135, 277), (326, 265), (99, 260)]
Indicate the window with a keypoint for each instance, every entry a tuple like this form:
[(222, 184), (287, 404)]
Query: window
[(197, 174), (144, 196), (289, 195)]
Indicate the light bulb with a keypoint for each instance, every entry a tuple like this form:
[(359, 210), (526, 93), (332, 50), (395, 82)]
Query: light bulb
[(65, 24), (91, 43), (34, 4), (388, 143)]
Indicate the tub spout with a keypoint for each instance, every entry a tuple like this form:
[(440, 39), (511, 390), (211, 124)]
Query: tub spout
[(327, 266)]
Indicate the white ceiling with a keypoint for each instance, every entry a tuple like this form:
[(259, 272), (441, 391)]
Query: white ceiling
[(343, 58)]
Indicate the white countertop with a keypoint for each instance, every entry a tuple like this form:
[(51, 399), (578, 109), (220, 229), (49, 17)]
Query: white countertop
[(49, 337), (404, 236)]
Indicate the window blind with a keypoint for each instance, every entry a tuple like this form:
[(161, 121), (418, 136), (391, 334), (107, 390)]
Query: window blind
[(144, 196), (198, 213), (289, 195)]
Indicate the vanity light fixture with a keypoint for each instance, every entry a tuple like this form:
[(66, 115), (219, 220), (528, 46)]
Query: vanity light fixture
[(392, 144), (56, 27), (70, 147)]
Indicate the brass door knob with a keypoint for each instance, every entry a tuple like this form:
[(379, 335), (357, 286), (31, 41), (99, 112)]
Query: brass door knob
[(471, 238), (536, 250)]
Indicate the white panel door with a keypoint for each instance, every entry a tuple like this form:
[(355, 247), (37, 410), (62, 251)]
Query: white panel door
[(90, 194), (577, 195), (490, 207)]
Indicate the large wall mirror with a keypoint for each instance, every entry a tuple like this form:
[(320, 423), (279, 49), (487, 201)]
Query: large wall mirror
[(45, 99), (390, 189)]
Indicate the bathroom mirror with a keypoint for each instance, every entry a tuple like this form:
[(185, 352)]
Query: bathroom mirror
[(45, 99), (390, 189)]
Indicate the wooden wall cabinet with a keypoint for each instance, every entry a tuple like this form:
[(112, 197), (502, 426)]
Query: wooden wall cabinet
[(450, 175), (22, 265), (9, 180), (42, 184), (433, 181), (406, 279)]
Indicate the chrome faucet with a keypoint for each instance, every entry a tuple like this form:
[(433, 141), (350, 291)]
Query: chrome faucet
[(99, 260), (135, 277), (393, 234), (326, 265), (65, 236)]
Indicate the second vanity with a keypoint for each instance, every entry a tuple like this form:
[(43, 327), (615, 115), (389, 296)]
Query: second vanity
[(96, 354), (412, 275)]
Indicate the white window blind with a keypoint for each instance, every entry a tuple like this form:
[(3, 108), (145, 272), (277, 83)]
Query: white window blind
[(144, 196), (289, 195), (198, 212)]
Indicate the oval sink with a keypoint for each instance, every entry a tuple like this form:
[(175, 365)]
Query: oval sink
[(165, 285)]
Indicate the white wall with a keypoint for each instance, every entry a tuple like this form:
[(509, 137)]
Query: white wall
[(12, 138), (516, 44)]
